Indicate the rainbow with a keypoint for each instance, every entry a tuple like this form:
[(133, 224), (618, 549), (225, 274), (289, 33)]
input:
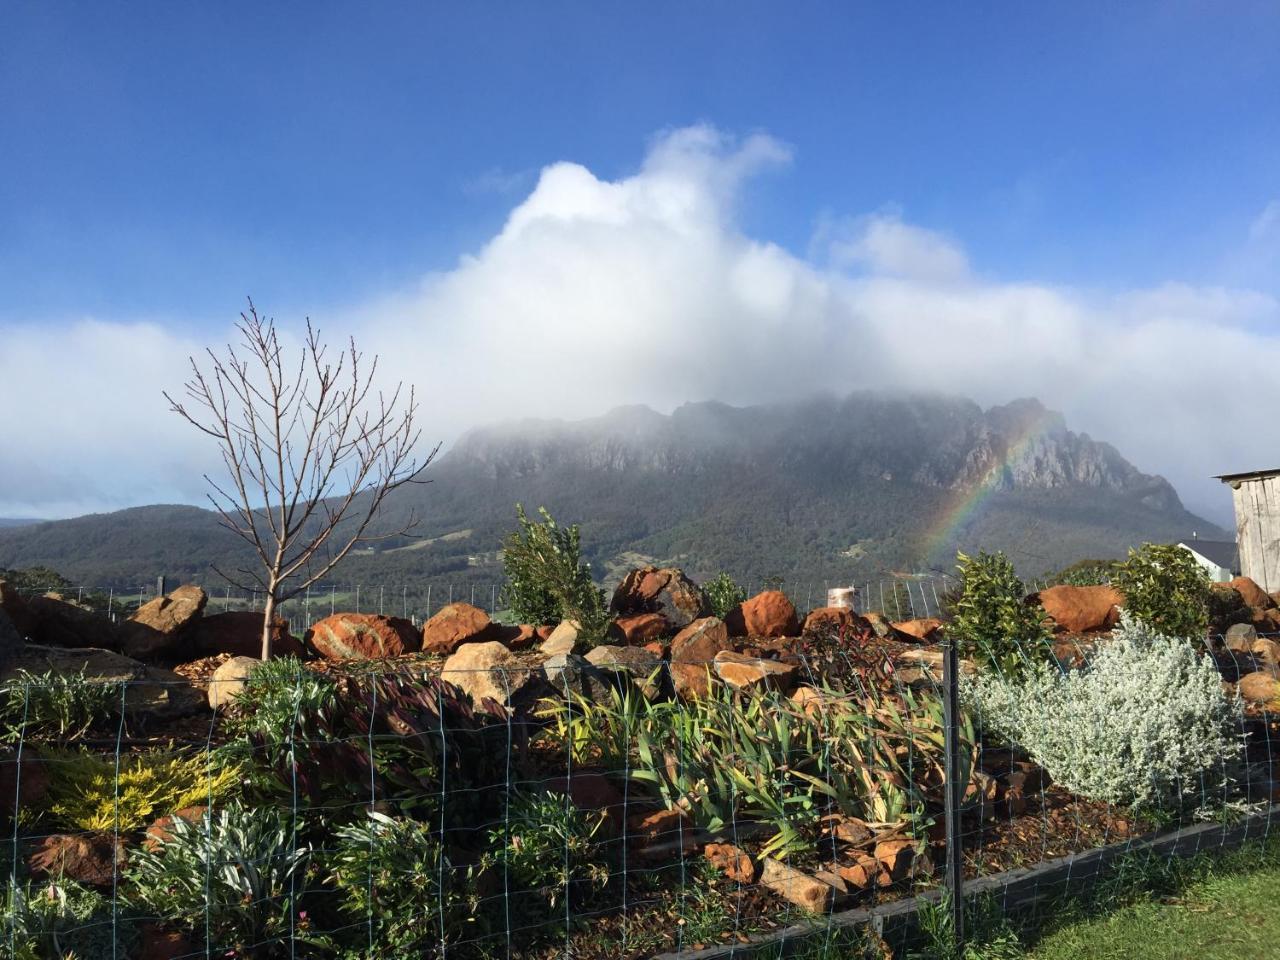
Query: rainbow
[(965, 505)]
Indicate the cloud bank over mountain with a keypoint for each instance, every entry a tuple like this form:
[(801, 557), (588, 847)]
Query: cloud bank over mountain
[(647, 289)]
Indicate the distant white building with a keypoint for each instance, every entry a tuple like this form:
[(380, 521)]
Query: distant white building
[(1220, 558)]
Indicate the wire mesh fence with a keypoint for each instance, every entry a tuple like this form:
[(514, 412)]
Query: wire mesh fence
[(898, 598), (712, 796)]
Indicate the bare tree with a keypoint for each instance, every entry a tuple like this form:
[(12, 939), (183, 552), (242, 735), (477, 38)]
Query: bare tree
[(311, 451)]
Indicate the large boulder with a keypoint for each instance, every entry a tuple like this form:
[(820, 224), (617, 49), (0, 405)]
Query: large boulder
[(229, 680), (665, 591), (926, 629), (94, 859), (456, 624), (156, 626), (767, 614), (239, 633), (567, 638), (148, 690), (59, 622), (641, 628), (753, 673), (11, 602), (573, 677), (1081, 609), (490, 670), (362, 636), (1252, 594), (693, 654), (642, 667), (10, 639)]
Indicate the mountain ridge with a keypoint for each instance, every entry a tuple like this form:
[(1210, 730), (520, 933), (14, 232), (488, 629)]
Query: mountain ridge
[(830, 487)]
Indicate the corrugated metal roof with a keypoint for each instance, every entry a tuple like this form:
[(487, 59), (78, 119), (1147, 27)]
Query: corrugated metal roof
[(1221, 552), (1251, 475)]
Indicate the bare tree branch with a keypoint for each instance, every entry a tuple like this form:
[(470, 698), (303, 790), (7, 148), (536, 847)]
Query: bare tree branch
[(312, 456)]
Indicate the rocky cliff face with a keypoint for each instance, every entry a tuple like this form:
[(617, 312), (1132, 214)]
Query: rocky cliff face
[(938, 442)]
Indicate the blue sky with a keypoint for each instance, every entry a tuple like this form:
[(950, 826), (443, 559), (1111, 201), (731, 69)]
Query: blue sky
[(170, 157), (1092, 168)]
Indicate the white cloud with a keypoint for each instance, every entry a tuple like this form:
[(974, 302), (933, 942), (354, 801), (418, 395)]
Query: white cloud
[(645, 290)]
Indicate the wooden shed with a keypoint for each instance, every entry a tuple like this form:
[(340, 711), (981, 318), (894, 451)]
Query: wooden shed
[(1256, 496)]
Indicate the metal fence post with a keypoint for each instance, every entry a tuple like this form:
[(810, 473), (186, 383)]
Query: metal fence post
[(955, 789)]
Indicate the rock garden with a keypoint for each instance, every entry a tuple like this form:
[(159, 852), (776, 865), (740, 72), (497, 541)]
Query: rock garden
[(669, 766)]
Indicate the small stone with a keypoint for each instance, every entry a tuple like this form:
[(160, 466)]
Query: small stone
[(159, 831), (732, 861), (808, 893), (1259, 687), (849, 830), (229, 680), (94, 859), (925, 629), (1240, 637), (896, 856), (865, 873), (749, 673)]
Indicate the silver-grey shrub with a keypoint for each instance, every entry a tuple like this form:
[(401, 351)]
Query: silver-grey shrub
[(1141, 724)]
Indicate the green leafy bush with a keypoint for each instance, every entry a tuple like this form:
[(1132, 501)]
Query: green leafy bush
[(92, 792), (547, 580), (1141, 724), (992, 622), (60, 921), (238, 872), (1086, 573), (54, 704), (1165, 587), (547, 846), (390, 873), (723, 594)]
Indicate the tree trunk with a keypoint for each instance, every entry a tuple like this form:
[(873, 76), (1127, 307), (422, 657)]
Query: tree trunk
[(268, 615)]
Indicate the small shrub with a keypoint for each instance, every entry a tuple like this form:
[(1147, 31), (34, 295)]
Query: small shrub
[(723, 594), (1165, 587), (1139, 725), (60, 921), (547, 846), (992, 621), (376, 737), (53, 704), (1086, 573), (547, 580), (390, 872), (239, 871), (87, 792)]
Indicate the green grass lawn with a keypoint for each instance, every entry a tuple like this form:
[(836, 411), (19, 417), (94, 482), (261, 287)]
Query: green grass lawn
[(1231, 914)]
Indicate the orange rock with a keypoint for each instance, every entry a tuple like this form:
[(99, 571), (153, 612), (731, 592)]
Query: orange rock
[(158, 833), (1259, 687), (363, 636), (865, 873), (1252, 594), (829, 619), (767, 614), (922, 628), (239, 633), (456, 624), (751, 673), (896, 856), (808, 893), (693, 653), (666, 592), (732, 861), (1082, 609), (641, 628), (94, 859)]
